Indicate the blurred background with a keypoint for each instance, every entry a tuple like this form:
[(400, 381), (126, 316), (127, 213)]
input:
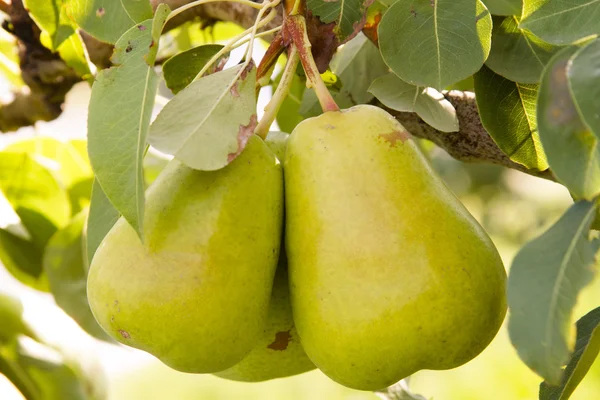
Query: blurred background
[(513, 208)]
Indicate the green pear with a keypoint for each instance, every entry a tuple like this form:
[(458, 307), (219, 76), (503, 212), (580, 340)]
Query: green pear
[(196, 293), (279, 352), (389, 273)]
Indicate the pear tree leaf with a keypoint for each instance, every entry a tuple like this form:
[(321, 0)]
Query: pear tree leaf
[(571, 149), (51, 17), (545, 279), (22, 258), (587, 347), (508, 111), (561, 22), (181, 69), (9, 61), (516, 54), (108, 20), (348, 15), (101, 218), (119, 115), (504, 7), (207, 124), (66, 267), (583, 72), (357, 65), (33, 191), (74, 54), (435, 42), (11, 315), (428, 103)]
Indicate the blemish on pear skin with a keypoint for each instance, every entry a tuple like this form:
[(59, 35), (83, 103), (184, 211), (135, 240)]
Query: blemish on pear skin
[(125, 334), (395, 136), (282, 339)]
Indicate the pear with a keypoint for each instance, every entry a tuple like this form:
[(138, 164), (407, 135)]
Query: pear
[(279, 352), (389, 273), (196, 293)]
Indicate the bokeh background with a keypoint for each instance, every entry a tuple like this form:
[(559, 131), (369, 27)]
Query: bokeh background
[(513, 208)]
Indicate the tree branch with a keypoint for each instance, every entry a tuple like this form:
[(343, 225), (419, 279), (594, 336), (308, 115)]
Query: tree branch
[(471, 143), (49, 79)]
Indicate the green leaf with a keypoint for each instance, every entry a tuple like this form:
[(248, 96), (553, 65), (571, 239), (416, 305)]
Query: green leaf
[(561, 22), (586, 351), (119, 115), (435, 42), (358, 64), (516, 54), (504, 7), (428, 103), (208, 123), (66, 268), (181, 69), (572, 150), (545, 279), (108, 20), (11, 315), (51, 17), (22, 258), (32, 190), (508, 111), (347, 15), (102, 216), (583, 72), (9, 60), (73, 53), (289, 114)]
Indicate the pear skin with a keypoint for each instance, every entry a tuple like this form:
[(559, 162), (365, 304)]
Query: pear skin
[(389, 273), (196, 293), (279, 352)]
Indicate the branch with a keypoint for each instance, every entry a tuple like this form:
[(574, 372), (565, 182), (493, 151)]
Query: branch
[(50, 79), (471, 143)]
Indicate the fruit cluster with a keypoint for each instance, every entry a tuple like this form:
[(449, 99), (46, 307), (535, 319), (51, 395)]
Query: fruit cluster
[(388, 272)]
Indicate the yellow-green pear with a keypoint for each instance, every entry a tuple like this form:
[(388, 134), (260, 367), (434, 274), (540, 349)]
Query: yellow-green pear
[(279, 352), (196, 293), (389, 273)]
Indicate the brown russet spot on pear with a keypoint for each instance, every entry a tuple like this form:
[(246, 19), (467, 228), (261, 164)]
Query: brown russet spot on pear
[(389, 273)]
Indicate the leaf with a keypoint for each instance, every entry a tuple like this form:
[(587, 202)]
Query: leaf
[(51, 17), (207, 124), (428, 103), (66, 268), (348, 15), (119, 115), (583, 72), (561, 22), (9, 60), (508, 111), (572, 150), (516, 54), (181, 69), (586, 351), (108, 20), (399, 391), (435, 42), (102, 216), (357, 64), (22, 258), (504, 7), (289, 114), (73, 53), (545, 279), (11, 315), (32, 191)]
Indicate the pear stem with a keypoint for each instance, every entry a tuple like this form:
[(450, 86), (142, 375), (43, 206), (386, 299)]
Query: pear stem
[(283, 89), (295, 27)]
